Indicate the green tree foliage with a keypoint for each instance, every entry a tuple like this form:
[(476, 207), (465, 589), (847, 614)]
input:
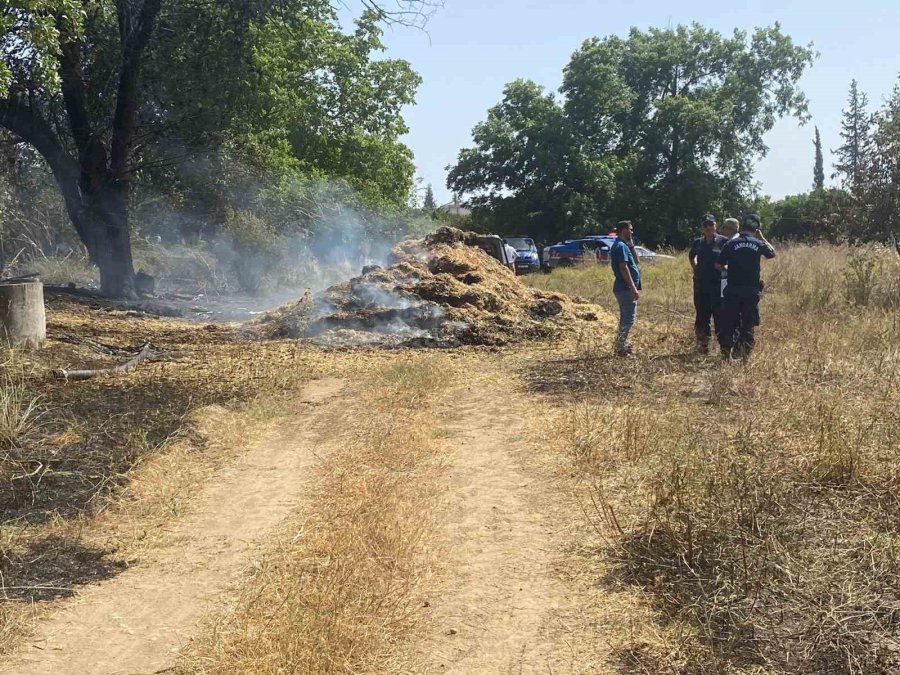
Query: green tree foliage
[(303, 127), (658, 127), (428, 203), (526, 171), (856, 130), (819, 166), (32, 32), (868, 207), (879, 200), (817, 215), (203, 105)]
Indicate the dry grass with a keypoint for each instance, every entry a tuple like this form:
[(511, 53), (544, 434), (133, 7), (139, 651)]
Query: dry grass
[(73, 268), (19, 410), (92, 469), (340, 590), (755, 507)]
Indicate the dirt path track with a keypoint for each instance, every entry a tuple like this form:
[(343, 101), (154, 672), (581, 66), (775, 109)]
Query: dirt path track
[(504, 608), (137, 622)]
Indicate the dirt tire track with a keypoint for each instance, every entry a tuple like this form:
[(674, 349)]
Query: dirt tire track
[(138, 621), (504, 607)]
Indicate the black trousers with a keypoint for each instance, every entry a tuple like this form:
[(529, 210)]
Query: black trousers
[(707, 303), (739, 316)]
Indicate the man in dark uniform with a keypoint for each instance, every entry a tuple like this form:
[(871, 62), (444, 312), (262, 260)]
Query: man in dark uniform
[(740, 306), (707, 280)]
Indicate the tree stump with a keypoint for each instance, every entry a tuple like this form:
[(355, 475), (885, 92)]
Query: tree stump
[(22, 319)]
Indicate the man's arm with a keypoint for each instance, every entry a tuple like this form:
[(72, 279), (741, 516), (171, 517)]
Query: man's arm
[(769, 250), (722, 261), (692, 257), (626, 275)]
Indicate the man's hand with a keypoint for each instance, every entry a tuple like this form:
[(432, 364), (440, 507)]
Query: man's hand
[(635, 293)]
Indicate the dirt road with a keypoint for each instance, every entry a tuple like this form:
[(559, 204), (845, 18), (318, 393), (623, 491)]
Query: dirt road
[(501, 604), (138, 621), (504, 608)]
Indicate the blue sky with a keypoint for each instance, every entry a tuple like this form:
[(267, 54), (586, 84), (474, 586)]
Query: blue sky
[(471, 49)]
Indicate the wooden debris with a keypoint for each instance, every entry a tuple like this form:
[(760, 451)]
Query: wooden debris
[(117, 370)]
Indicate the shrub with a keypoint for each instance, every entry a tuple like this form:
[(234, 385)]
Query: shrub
[(252, 248), (860, 278)]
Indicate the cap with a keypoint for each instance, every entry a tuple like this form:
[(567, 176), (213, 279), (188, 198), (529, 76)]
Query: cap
[(709, 218)]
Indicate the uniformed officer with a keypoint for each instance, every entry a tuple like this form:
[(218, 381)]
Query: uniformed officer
[(740, 306), (703, 255)]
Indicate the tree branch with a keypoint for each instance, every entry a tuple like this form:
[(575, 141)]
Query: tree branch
[(414, 13), (73, 93), (134, 36), (22, 120)]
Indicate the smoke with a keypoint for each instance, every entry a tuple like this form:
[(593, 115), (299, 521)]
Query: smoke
[(245, 245), (369, 313), (368, 295)]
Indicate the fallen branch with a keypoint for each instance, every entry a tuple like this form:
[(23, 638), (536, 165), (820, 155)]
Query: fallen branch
[(33, 473), (117, 370), (24, 277)]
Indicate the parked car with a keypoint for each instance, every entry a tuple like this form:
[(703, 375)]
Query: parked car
[(493, 246), (645, 255), (527, 259), (577, 252), (606, 239)]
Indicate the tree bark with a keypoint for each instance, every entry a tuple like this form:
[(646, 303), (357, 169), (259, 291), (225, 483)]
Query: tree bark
[(22, 322), (96, 185), (105, 218)]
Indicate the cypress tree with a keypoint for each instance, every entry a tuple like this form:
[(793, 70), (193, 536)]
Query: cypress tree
[(819, 169), (856, 130), (429, 199)]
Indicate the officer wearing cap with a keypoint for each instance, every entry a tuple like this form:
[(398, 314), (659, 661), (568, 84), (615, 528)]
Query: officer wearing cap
[(739, 314), (703, 255)]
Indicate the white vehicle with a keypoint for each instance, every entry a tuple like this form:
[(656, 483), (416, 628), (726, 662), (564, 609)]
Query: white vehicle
[(645, 255)]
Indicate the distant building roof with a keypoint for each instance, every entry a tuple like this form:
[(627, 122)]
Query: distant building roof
[(454, 208)]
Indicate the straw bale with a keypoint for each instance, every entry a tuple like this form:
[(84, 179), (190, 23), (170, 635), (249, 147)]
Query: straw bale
[(442, 289)]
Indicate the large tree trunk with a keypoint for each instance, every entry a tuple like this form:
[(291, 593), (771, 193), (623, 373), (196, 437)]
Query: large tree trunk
[(96, 185), (98, 209), (106, 221)]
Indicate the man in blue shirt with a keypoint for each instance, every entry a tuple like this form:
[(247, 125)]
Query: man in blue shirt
[(707, 280), (740, 305), (627, 284)]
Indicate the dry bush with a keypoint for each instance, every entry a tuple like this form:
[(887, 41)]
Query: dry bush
[(180, 266), (756, 504), (19, 418), (18, 410), (71, 268), (340, 591)]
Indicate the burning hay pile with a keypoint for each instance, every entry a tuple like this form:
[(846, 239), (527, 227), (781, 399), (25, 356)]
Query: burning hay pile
[(440, 291)]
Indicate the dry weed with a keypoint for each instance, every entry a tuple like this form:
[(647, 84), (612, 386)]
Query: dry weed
[(754, 506), (18, 409)]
